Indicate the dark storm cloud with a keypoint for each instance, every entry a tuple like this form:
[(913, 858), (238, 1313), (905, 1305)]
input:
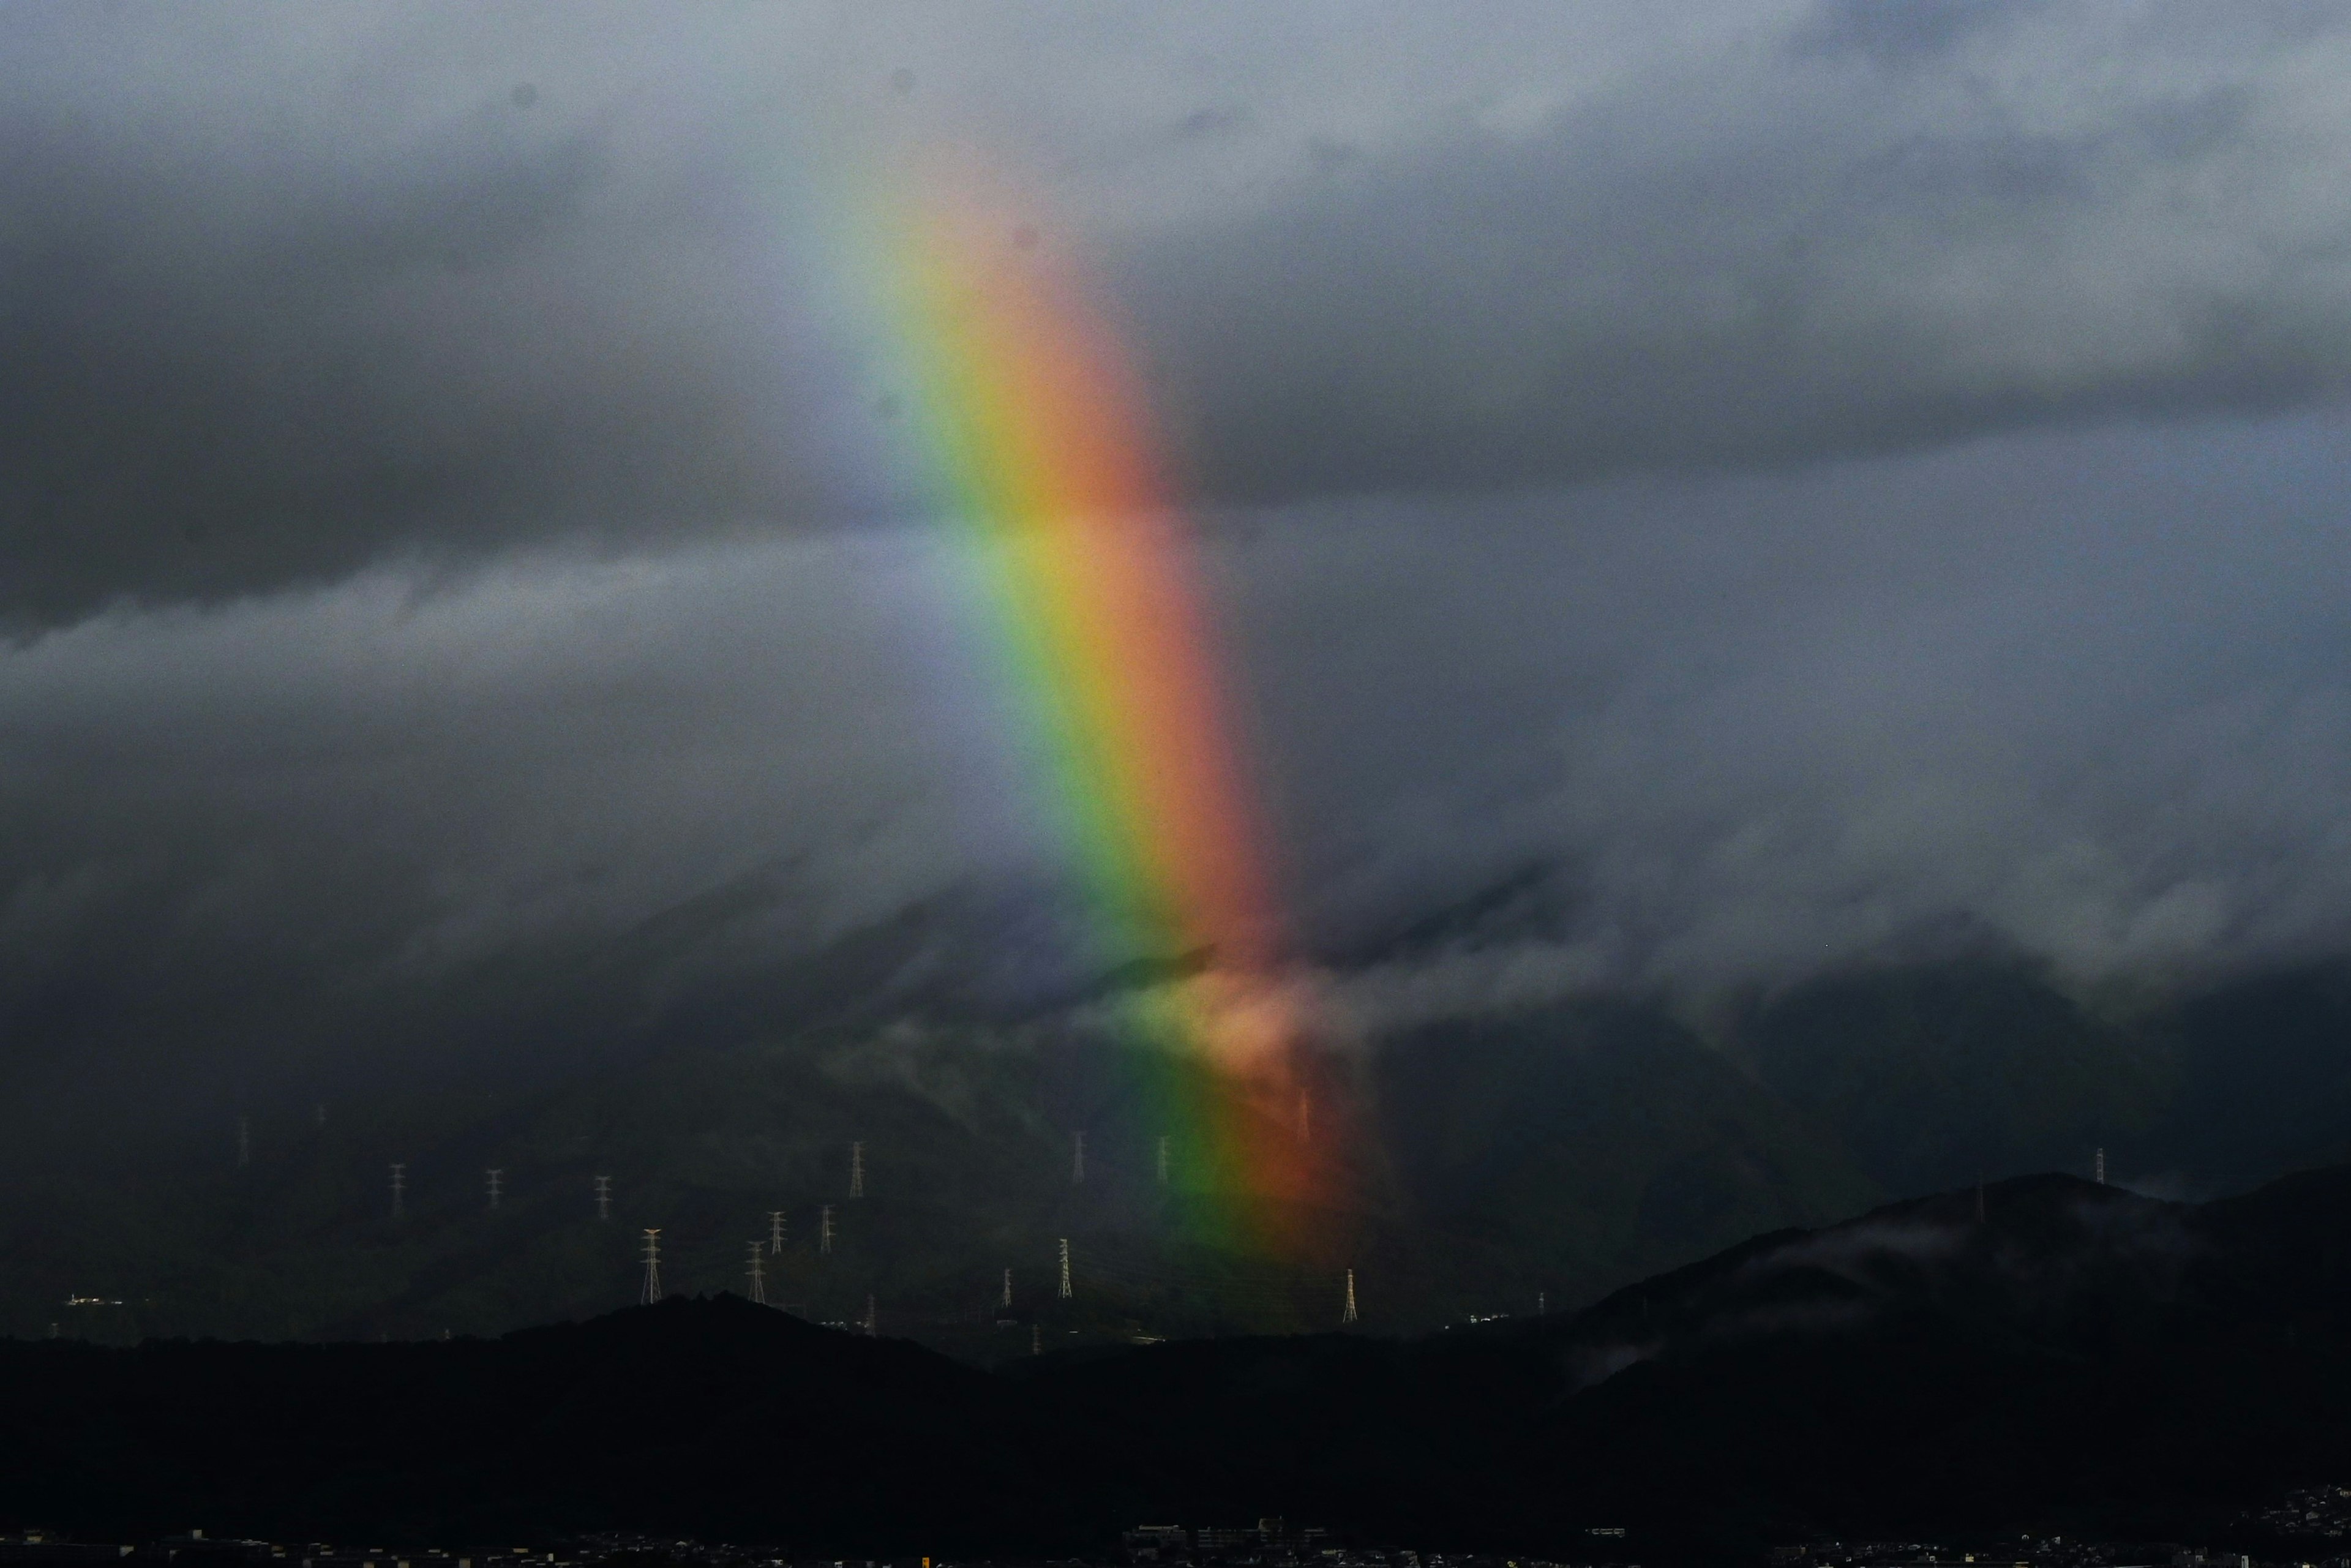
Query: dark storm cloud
[(406, 667), (267, 336), (282, 292), (1904, 225)]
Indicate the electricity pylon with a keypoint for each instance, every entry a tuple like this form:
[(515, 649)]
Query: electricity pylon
[(652, 1289)]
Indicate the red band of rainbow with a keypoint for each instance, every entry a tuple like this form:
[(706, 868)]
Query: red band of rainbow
[(1041, 438)]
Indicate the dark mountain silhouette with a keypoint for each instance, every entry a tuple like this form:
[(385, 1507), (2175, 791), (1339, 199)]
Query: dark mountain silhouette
[(713, 1416), (2068, 1354), (2077, 1355)]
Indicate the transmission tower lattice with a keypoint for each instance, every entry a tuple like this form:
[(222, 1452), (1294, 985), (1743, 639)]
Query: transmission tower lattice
[(2101, 1168), (398, 1188), (1065, 1292), (603, 1197), (776, 1231), (824, 1230), (857, 1170), (1347, 1314), (497, 1186), (1006, 1300), (758, 1278), (652, 1289)]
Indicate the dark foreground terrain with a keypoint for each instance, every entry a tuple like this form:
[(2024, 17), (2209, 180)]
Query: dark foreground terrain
[(2044, 1351)]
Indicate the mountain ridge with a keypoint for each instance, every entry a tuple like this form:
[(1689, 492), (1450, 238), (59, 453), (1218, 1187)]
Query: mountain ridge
[(1549, 1155)]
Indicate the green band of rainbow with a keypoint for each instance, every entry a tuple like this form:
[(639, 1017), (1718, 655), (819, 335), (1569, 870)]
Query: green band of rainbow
[(1039, 437)]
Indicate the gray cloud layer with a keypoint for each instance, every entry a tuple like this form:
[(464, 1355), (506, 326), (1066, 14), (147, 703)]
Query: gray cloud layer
[(1783, 483), (2080, 697), (282, 291), (1880, 227)]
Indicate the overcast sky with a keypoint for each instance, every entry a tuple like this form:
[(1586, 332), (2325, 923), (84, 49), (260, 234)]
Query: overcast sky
[(1790, 482)]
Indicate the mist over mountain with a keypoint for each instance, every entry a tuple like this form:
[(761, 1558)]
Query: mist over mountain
[(1494, 1164)]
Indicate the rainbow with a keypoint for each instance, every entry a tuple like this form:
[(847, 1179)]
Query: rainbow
[(1038, 440)]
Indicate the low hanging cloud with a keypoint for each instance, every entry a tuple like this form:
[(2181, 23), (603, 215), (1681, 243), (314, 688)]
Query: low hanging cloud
[(1687, 735), (1690, 504), (2076, 697)]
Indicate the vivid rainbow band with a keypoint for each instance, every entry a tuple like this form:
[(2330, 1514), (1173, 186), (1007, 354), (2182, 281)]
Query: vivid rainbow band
[(1039, 437)]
